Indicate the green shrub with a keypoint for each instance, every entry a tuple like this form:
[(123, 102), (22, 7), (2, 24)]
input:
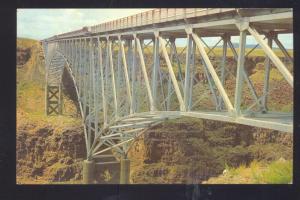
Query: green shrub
[(277, 172)]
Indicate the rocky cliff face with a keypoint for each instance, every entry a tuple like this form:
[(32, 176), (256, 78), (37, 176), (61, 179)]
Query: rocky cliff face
[(23, 55), (50, 156), (191, 151)]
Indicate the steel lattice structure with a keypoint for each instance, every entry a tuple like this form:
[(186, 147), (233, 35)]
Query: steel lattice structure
[(123, 90)]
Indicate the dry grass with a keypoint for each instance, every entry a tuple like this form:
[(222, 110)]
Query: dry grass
[(276, 172)]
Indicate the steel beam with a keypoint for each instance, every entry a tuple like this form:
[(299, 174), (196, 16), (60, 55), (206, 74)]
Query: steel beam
[(267, 77), (187, 70), (155, 70), (239, 75), (85, 88), (172, 75), (90, 91), (278, 63), (248, 81), (211, 86), (170, 91), (284, 51), (223, 65), (113, 78), (139, 48), (193, 68), (133, 77), (126, 73), (213, 72)]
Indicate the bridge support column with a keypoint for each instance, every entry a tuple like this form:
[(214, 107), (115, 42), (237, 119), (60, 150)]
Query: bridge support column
[(88, 171), (125, 171), (267, 76), (53, 100)]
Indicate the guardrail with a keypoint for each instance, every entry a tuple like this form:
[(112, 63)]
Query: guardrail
[(155, 16)]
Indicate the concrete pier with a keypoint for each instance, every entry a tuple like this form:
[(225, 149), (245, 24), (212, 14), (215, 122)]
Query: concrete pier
[(88, 172), (125, 171)]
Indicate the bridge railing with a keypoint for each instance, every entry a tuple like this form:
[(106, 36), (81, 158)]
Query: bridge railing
[(155, 16)]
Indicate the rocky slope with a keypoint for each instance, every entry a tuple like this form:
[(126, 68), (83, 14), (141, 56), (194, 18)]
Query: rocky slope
[(192, 151), (46, 155)]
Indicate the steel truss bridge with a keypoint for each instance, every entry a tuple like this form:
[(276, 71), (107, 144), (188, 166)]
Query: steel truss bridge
[(129, 74)]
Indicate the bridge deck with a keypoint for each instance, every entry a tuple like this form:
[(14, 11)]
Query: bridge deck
[(172, 22)]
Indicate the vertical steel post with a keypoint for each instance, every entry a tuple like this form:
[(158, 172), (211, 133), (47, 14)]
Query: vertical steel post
[(67, 48), (85, 88), (106, 66), (267, 77), (248, 81), (143, 66), (119, 63), (113, 78), (239, 76), (187, 70), (211, 86), (89, 90), (129, 58), (169, 77), (277, 62), (225, 39), (133, 77), (95, 88), (284, 51), (129, 62), (212, 72), (155, 68), (75, 59), (102, 84), (72, 53), (80, 76), (192, 75), (171, 73), (125, 72)]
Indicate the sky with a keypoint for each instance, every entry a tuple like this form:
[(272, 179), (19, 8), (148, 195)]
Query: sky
[(43, 23)]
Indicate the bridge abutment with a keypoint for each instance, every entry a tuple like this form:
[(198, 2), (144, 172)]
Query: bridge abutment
[(124, 171), (88, 172)]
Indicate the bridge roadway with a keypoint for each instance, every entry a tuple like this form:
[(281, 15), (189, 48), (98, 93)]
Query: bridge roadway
[(124, 88)]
